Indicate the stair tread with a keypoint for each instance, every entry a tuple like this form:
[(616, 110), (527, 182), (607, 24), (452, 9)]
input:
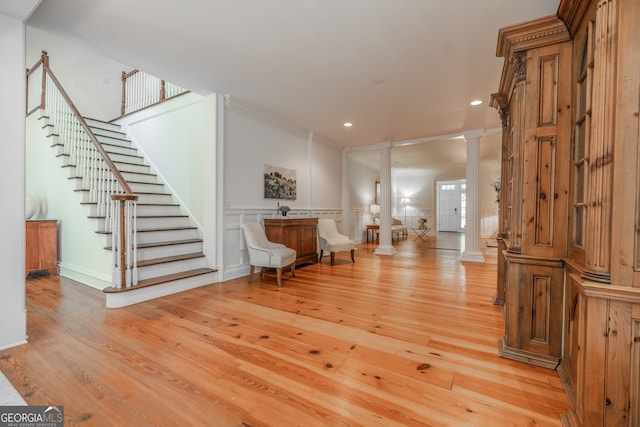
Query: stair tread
[(172, 258), (148, 230), (144, 216), (114, 161), (137, 193), (167, 243), (124, 172), (163, 279), (140, 204)]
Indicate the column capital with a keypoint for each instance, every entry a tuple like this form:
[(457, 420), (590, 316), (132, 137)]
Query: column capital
[(473, 134), (384, 145)]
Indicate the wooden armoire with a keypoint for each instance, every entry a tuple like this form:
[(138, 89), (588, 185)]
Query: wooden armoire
[(569, 232)]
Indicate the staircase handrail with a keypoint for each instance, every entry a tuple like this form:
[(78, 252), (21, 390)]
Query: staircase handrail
[(45, 63)]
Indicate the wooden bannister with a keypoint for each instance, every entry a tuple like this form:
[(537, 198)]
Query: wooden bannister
[(141, 90), (123, 228)]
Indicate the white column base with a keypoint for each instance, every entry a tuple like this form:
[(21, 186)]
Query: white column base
[(385, 250), (471, 256)]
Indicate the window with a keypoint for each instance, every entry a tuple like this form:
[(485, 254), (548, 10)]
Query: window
[(581, 135)]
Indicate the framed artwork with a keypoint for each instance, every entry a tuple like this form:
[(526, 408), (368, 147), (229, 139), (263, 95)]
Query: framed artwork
[(279, 183), (377, 196)]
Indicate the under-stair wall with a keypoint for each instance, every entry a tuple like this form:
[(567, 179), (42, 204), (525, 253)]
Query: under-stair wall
[(81, 252)]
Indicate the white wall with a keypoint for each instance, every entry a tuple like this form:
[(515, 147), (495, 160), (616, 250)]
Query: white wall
[(92, 81), (12, 229), (251, 140), (173, 136)]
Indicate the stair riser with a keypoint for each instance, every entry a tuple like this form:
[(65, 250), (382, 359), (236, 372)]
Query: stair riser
[(127, 167), (155, 222), (170, 268), (166, 251), (166, 236), (129, 176), (155, 198), (137, 187), (114, 141), (115, 157), (102, 125), (144, 210), (123, 167), (151, 210), (97, 131), (116, 149), (142, 198), (163, 222), (74, 172)]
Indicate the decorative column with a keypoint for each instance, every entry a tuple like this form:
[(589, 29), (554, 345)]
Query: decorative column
[(346, 200), (385, 246), (600, 176), (472, 250)]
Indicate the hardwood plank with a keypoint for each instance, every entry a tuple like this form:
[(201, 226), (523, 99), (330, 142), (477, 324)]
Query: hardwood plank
[(408, 340)]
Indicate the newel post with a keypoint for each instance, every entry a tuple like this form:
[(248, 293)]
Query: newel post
[(124, 92), (125, 229), (45, 67)]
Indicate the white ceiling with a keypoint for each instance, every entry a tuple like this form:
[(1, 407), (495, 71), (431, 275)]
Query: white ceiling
[(398, 69)]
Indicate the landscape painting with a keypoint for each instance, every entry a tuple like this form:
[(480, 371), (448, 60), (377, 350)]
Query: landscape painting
[(279, 183)]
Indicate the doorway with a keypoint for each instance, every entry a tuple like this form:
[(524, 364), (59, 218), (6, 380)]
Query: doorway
[(452, 205)]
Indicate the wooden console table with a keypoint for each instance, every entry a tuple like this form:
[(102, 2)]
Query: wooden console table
[(375, 229), (41, 246), (300, 234)]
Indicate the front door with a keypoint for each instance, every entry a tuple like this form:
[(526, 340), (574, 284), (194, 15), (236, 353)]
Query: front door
[(451, 205)]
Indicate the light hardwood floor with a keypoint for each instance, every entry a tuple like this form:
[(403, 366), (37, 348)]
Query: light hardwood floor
[(404, 340)]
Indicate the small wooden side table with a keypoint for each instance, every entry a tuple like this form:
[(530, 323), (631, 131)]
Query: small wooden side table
[(375, 229)]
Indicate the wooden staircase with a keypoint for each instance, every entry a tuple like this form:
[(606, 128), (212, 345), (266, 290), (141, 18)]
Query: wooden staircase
[(169, 247)]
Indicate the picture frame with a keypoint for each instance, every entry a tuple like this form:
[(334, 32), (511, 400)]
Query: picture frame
[(377, 193), (279, 183)]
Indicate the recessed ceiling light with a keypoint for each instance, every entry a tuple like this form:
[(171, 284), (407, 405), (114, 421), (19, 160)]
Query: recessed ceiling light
[(348, 124), (476, 102)]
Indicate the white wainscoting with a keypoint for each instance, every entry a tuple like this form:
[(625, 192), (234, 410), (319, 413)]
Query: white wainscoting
[(236, 259), (488, 224)]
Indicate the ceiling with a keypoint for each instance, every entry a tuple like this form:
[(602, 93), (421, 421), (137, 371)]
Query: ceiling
[(399, 70)]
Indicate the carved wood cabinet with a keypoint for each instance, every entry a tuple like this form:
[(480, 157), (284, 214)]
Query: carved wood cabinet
[(41, 246), (300, 234), (534, 103), (570, 212)]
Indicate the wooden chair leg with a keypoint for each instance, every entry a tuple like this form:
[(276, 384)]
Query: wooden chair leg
[(321, 252), (293, 270), (352, 258), (251, 270), (279, 276), (333, 257)]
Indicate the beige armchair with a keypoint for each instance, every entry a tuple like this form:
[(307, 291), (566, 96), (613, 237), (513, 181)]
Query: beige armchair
[(332, 241), (266, 254)]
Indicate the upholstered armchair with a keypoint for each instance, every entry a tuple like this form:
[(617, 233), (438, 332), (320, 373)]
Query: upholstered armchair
[(332, 241), (266, 254)]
